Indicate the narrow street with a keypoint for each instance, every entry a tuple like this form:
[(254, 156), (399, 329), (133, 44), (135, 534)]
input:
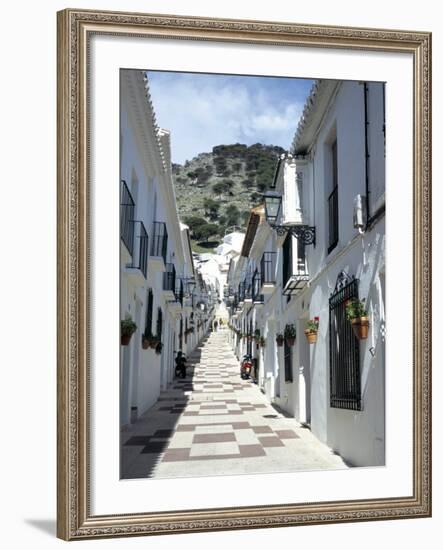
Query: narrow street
[(213, 422)]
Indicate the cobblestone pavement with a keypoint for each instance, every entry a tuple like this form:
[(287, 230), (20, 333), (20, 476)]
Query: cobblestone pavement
[(213, 423)]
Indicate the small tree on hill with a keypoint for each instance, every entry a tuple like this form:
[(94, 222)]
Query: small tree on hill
[(211, 208), (232, 215)]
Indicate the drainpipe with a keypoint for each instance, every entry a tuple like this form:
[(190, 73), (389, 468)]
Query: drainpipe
[(366, 90)]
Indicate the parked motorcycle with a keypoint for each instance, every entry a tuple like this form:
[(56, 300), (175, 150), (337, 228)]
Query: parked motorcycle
[(246, 366), (180, 365)]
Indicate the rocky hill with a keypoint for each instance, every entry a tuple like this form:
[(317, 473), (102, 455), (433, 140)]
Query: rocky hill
[(216, 190)]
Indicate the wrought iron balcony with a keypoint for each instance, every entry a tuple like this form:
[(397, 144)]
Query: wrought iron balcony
[(169, 279), (179, 291), (267, 268), (267, 271), (140, 248), (257, 296), (298, 280), (127, 215), (159, 245), (241, 292)]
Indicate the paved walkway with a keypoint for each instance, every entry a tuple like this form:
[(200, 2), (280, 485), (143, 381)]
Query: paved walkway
[(215, 423)]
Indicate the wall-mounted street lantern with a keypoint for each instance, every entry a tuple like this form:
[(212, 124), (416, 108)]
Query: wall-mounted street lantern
[(305, 233), (190, 284)]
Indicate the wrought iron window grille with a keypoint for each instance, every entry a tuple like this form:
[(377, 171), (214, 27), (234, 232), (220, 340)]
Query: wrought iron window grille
[(344, 348)]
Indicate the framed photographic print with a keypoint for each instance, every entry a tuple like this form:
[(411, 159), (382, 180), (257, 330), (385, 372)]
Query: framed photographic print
[(243, 274)]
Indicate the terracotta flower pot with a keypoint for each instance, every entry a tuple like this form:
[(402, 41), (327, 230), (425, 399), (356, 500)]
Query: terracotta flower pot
[(290, 341), (145, 343), (311, 336), (125, 339), (360, 326), (280, 342)]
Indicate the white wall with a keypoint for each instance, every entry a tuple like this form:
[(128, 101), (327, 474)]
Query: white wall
[(30, 520)]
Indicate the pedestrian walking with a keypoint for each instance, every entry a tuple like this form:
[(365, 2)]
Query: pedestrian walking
[(215, 326)]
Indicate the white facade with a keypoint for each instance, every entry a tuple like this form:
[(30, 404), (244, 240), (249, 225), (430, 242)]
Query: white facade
[(156, 262), (338, 148)]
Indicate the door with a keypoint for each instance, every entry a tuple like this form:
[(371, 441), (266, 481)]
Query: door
[(124, 384)]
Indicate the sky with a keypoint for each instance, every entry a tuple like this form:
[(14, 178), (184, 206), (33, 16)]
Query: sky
[(203, 110)]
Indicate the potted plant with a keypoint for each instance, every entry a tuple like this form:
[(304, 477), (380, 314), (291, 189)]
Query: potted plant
[(261, 341), (257, 335), (127, 329), (290, 334), (357, 314), (311, 330), (280, 339)]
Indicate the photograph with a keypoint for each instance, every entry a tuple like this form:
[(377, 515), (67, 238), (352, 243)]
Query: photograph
[(240, 344), (252, 274)]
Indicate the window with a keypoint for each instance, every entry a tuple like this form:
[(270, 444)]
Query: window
[(301, 257), (288, 362), (344, 351), (149, 307), (333, 201)]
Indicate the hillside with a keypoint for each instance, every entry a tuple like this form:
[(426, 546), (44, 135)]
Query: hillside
[(216, 190)]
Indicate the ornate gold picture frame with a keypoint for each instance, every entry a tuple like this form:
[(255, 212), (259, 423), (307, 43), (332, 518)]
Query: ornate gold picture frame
[(74, 516)]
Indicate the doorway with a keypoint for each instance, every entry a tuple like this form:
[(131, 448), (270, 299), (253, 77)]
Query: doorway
[(304, 379)]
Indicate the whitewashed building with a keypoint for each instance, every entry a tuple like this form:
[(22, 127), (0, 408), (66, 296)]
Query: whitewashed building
[(159, 288), (332, 189)]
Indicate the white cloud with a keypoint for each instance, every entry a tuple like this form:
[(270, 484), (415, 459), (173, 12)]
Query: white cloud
[(216, 112)]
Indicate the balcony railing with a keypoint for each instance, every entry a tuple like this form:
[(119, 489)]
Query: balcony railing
[(298, 280), (241, 292), (140, 248), (257, 297), (169, 278), (248, 287), (127, 215), (179, 291), (159, 245), (267, 268)]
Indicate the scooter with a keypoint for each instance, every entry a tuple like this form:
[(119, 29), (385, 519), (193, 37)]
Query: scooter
[(246, 366), (180, 365)]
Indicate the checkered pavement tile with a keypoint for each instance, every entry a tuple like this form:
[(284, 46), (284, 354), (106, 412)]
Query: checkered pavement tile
[(211, 416)]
